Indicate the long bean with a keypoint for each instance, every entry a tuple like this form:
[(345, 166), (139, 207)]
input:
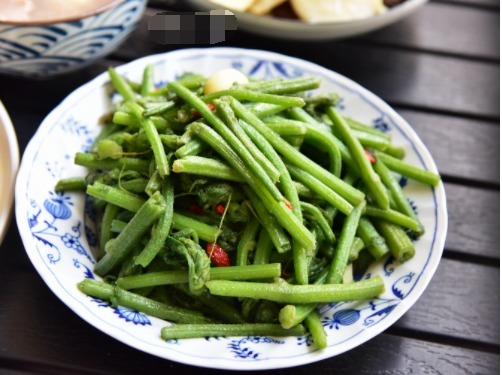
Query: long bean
[(121, 85), (71, 184), (206, 167), (316, 329), (368, 175), (228, 136), (253, 96), (402, 203), (127, 119), (286, 86), (92, 161), (105, 232), (116, 196), (134, 301), (320, 220), (264, 248), (292, 155), (117, 249), (147, 84), (409, 170), (184, 331), (247, 242), (399, 243), (248, 272), (392, 217), (283, 292), (206, 232), (344, 246), (373, 241)]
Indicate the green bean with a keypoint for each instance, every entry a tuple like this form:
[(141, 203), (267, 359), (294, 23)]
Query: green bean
[(395, 151), (371, 140), (134, 301), (316, 329), (409, 170), (399, 243), (283, 292), (295, 157), (158, 109), (253, 96), (105, 232), (117, 226), (320, 220), (329, 143), (118, 248), (301, 115), (401, 202), (373, 241), (279, 209), (126, 119), (264, 248), (171, 141), (107, 131), (121, 85), (356, 247), (229, 137), (248, 272), (269, 223), (184, 331), (147, 84), (153, 138), (229, 117), (288, 86), (370, 178), (342, 252), (286, 183), (392, 216), (137, 185), (206, 232), (283, 126), (161, 229), (206, 167), (192, 148), (356, 125), (154, 184), (71, 184), (92, 161), (121, 198), (247, 242), (263, 110), (322, 190)]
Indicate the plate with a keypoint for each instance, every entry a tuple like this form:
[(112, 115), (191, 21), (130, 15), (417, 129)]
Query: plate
[(9, 163), (58, 232), (303, 31)]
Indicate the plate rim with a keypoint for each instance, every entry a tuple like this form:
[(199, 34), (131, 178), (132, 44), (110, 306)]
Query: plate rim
[(7, 199), (274, 363)]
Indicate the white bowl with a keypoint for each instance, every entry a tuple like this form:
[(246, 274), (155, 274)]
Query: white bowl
[(44, 50), (299, 30), (9, 163), (58, 235)]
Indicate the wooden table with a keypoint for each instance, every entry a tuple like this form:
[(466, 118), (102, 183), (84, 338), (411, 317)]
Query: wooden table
[(439, 69)]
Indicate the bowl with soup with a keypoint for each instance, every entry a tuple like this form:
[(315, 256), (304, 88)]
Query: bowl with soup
[(43, 38)]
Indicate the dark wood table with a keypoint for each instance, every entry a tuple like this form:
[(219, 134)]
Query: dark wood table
[(439, 69)]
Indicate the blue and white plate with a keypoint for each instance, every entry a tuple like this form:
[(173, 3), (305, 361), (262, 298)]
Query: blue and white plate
[(58, 234)]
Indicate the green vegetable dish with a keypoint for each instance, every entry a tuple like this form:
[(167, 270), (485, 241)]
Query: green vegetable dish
[(234, 207)]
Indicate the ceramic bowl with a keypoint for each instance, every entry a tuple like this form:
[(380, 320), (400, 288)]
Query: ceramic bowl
[(58, 230), (45, 50), (302, 31)]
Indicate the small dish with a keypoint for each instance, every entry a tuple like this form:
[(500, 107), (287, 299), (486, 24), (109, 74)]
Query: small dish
[(58, 233), (9, 164), (298, 30)]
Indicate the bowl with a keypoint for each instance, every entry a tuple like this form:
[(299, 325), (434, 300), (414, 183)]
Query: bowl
[(9, 163), (58, 232), (282, 28), (50, 47)]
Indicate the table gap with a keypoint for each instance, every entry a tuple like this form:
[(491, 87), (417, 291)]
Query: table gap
[(470, 4), (471, 258), (470, 183), (443, 339)]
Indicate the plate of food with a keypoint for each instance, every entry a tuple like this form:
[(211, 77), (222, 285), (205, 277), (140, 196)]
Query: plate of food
[(231, 208), (313, 20), (9, 163)]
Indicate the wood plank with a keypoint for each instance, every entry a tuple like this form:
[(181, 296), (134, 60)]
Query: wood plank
[(494, 4), (462, 148), (473, 220), (37, 338), (430, 29), (403, 77), (462, 301)]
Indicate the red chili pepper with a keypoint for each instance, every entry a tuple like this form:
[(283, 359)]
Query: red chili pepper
[(220, 209), (211, 106), (196, 209), (218, 256), (370, 156), (288, 204)]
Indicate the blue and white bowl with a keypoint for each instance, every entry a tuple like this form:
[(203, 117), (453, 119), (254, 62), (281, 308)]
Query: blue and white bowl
[(58, 229), (48, 49)]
